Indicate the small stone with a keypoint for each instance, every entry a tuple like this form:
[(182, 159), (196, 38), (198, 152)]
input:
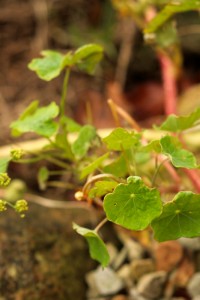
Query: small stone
[(151, 285), (194, 285), (140, 267), (196, 298), (134, 249), (120, 297), (124, 274), (184, 271), (168, 255), (113, 252), (104, 281), (190, 244)]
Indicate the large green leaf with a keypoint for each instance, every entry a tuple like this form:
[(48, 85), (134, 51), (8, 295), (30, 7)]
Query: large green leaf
[(179, 157), (120, 139), (87, 57), (51, 65), (180, 218), (97, 248), (133, 205), (40, 122), (169, 10), (84, 141), (94, 165), (179, 123)]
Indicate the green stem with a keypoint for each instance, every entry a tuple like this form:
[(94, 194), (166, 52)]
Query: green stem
[(157, 171), (64, 93), (98, 227)]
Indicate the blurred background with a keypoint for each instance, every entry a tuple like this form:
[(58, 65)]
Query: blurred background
[(129, 74)]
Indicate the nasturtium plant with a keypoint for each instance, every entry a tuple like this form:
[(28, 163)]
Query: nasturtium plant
[(119, 171)]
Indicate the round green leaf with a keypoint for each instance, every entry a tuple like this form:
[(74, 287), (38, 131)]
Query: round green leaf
[(180, 158), (133, 205), (180, 218)]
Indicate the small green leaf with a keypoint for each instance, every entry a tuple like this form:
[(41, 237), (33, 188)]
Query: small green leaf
[(84, 141), (167, 35), (118, 167), (180, 158), (42, 177), (4, 164), (28, 111), (120, 139), (51, 65), (39, 122), (133, 205), (62, 143), (94, 165), (97, 247), (87, 57), (177, 124), (180, 218), (71, 125), (152, 146), (174, 7), (101, 188)]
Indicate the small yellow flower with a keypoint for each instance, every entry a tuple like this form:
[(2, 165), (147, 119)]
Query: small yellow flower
[(4, 179), (3, 205)]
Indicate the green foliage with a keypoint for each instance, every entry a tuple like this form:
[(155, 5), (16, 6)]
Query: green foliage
[(133, 205), (87, 57), (39, 121), (120, 169), (120, 139), (93, 166), (180, 218), (172, 8), (102, 188), (97, 247), (179, 157), (84, 141), (180, 123), (51, 65)]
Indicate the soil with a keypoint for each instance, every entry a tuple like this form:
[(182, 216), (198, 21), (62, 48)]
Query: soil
[(41, 257)]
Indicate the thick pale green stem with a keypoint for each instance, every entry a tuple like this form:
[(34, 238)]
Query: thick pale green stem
[(64, 93)]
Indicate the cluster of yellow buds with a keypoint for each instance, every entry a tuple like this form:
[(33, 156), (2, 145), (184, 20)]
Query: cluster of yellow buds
[(21, 206), (16, 154), (3, 205), (4, 179)]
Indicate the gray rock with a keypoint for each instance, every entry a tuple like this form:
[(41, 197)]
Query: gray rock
[(124, 274), (194, 285), (134, 249), (103, 282), (151, 285)]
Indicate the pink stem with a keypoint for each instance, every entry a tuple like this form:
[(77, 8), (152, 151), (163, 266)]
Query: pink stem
[(169, 83), (194, 178)]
